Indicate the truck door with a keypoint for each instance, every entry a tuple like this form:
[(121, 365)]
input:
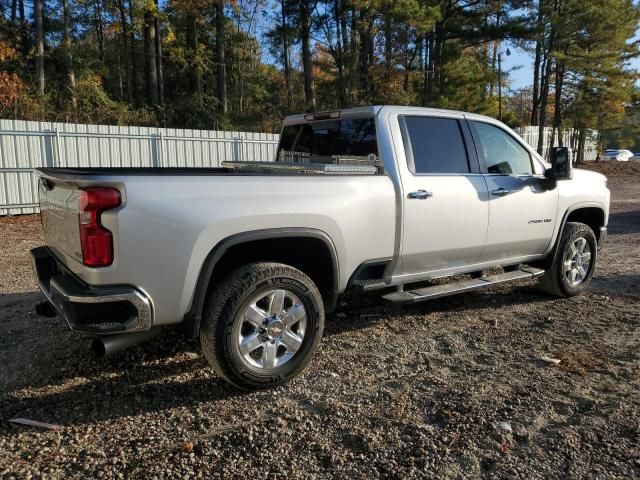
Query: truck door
[(522, 212), (445, 200)]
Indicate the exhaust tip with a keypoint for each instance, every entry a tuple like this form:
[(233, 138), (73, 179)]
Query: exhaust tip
[(110, 344), (45, 309), (98, 348)]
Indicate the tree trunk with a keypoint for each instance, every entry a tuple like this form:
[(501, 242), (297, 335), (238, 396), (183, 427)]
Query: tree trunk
[(337, 14), (220, 58), (132, 47), (66, 41), (24, 34), (307, 64), (120, 83), (438, 60), (573, 137), (535, 102), (388, 45), (39, 45), (192, 44), (159, 72), (151, 74), (494, 62), (557, 114), (125, 36), (354, 57), (366, 55), (582, 140), (285, 54), (14, 10), (425, 69), (99, 30), (499, 48), (499, 84), (544, 96), (430, 68), (536, 84), (345, 56)]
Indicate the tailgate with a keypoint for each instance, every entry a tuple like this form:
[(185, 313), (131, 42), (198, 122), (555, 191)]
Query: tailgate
[(59, 206)]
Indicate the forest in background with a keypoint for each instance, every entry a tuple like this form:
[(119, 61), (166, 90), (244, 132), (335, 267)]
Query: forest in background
[(245, 64)]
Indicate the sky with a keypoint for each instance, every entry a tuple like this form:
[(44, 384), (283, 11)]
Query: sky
[(523, 76)]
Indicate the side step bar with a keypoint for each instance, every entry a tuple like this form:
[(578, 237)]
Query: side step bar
[(437, 291), (368, 285)]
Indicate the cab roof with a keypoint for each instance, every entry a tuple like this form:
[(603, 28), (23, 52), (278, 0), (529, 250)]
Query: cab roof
[(374, 110)]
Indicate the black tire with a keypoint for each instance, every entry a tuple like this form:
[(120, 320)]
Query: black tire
[(224, 313), (554, 281)]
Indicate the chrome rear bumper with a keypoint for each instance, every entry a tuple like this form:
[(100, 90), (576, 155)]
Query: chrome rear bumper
[(103, 310)]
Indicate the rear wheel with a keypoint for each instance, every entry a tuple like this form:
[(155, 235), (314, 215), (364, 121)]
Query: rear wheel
[(574, 262), (262, 325)]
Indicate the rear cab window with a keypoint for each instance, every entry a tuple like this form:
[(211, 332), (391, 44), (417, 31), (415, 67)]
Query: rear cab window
[(326, 141), (435, 145)]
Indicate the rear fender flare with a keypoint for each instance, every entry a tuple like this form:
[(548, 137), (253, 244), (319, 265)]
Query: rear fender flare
[(193, 316)]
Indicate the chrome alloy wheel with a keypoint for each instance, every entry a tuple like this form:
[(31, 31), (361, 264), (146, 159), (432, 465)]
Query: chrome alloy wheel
[(577, 261), (272, 330)]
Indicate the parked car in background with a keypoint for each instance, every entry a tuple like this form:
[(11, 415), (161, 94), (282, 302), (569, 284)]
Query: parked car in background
[(618, 155)]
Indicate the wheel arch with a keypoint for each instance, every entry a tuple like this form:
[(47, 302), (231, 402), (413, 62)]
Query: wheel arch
[(310, 250), (591, 214)]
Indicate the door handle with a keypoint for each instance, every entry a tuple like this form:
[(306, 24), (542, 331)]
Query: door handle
[(499, 192), (420, 195)]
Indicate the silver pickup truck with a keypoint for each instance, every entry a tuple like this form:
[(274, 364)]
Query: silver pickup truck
[(250, 256)]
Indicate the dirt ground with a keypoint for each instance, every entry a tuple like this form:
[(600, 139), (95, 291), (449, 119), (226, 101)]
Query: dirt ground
[(452, 388)]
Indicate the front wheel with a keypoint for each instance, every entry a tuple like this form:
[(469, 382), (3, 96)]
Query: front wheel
[(574, 262), (262, 325)]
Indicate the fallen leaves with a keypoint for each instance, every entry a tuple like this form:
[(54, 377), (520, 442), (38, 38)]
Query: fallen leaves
[(578, 362)]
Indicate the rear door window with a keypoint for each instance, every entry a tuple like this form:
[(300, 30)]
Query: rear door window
[(434, 145)]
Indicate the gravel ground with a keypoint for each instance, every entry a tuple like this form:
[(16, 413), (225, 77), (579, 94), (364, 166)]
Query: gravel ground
[(452, 388)]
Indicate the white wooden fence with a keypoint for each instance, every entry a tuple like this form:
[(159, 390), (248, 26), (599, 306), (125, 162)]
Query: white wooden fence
[(569, 139), (26, 145)]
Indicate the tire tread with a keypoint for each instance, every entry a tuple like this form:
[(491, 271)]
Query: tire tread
[(550, 282), (220, 304)]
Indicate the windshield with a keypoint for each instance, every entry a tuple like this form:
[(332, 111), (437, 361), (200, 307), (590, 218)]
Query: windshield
[(328, 141)]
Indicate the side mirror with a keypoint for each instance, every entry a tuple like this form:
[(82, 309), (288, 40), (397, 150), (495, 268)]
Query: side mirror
[(560, 164)]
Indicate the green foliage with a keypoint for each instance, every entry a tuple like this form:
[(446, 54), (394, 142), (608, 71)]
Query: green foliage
[(93, 106), (593, 47), (463, 85), (414, 52)]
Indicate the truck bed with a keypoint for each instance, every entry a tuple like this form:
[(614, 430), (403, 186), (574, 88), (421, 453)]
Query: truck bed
[(171, 219), (137, 171), (228, 169)]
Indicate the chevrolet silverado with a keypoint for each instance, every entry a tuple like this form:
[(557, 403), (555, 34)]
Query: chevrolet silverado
[(250, 256)]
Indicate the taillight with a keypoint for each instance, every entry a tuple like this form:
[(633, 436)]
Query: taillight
[(96, 241)]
